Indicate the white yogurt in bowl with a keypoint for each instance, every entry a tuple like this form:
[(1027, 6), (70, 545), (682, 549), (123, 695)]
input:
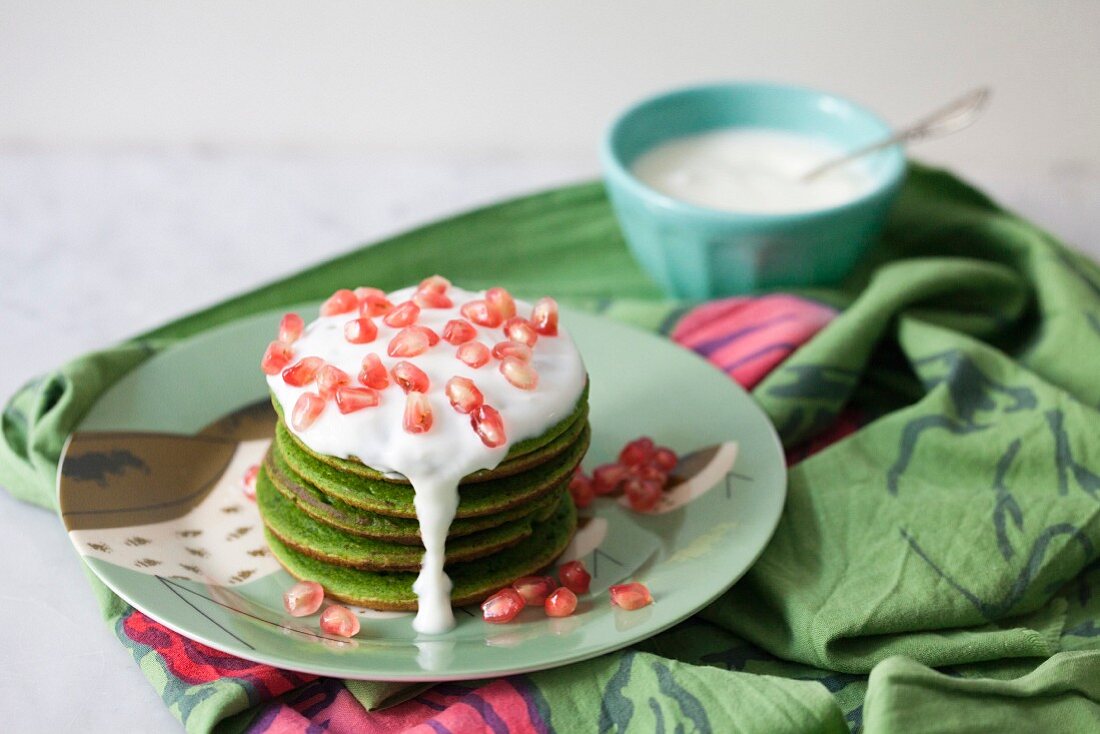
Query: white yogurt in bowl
[(751, 170), (706, 184)]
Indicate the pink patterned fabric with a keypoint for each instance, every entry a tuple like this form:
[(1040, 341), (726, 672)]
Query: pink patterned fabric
[(748, 337), (324, 705), (499, 706), (193, 663)]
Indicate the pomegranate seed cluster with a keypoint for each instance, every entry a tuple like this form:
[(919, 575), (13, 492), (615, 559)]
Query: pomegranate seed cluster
[(557, 599), (641, 473), (306, 597), (517, 339)]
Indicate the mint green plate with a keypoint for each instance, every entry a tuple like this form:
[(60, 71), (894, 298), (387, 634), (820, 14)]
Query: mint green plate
[(149, 488)]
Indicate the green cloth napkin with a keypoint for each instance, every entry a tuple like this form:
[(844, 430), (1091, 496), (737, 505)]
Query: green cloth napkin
[(956, 530)]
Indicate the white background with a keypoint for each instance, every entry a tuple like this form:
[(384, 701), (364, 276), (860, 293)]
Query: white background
[(158, 157)]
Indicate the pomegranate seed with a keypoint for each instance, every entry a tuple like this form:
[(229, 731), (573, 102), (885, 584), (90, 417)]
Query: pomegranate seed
[(522, 352), (339, 302), (431, 299), (464, 395), (250, 474), (561, 603), (329, 378), (643, 494), (363, 293), (418, 413), (303, 371), (607, 478), (304, 598), (519, 330), (665, 459), (458, 332), (474, 354), (433, 338), (580, 487), (480, 313), (638, 451), (534, 589), (489, 426), (502, 607), (339, 621), (575, 577), (402, 315), (409, 342), (434, 284), (351, 399), (306, 410), (248, 481), (276, 357), (501, 302), (410, 378), (649, 472), (544, 317), (290, 328), (360, 331), (373, 305), (630, 596), (374, 373), (519, 373)]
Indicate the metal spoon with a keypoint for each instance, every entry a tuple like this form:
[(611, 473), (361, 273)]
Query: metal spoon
[(948, 119)]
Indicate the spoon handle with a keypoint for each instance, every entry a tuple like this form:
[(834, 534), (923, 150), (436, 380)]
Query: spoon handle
[(959, 114)]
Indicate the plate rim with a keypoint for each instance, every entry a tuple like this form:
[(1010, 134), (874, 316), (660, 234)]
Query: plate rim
[(626, 638)]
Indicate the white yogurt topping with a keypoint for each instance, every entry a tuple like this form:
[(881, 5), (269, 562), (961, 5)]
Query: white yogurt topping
[(434, 462), (751, 170)]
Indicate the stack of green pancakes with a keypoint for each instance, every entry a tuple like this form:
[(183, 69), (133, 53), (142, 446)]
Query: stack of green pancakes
[(354, 530)]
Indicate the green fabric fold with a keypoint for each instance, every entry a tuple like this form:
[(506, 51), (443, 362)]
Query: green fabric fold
[(641, 692), (1062, 694)]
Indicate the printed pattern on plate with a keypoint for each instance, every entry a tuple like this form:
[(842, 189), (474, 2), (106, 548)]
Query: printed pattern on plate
[(218, 541)]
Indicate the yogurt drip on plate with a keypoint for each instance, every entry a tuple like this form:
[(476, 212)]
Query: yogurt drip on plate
[(434, 462), (751, 170)]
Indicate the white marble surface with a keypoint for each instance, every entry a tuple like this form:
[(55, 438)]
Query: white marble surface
[(95, 246)]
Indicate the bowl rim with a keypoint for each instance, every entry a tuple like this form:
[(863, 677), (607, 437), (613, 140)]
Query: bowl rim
[(613, 165)]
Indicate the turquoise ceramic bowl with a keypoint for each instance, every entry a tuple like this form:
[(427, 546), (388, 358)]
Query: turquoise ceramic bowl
[(696, 252)]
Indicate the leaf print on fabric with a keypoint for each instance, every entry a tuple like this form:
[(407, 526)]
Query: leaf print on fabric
[(616, 710), (1006, 507), (973, 396), (690, 706), (1067, 466), (972, 390), (910, 436), (998, 608)]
